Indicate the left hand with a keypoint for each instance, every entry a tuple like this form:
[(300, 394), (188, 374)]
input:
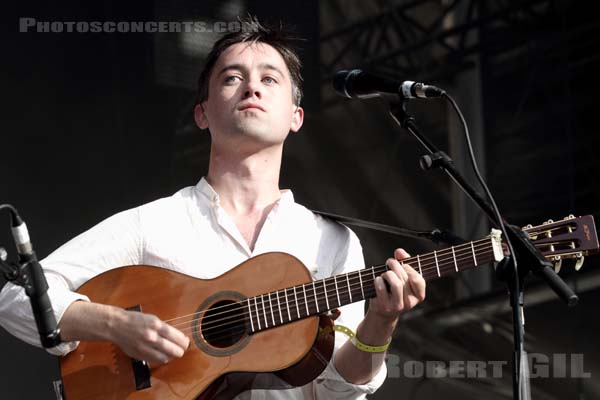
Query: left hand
[(407, 288)]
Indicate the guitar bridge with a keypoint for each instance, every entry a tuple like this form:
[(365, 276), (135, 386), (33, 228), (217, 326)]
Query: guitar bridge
[(141, 372)]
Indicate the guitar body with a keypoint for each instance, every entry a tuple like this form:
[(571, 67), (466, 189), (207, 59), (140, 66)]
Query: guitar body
[(217, 365)]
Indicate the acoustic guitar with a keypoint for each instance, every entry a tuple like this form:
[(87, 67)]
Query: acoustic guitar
[(262, 324)]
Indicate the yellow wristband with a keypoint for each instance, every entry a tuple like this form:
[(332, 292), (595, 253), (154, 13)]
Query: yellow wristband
[(358, 344)]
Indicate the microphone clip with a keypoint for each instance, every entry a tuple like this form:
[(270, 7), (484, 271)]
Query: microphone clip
[(28, 273)]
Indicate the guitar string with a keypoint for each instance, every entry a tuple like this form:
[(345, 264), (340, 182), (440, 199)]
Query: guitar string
[(425, 261), (275, 315), (427, 265), (355, 285), (234, 329), (272, 311), (440, 260), (426, 269)]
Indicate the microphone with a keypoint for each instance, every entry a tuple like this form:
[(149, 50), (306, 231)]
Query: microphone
[(360, 84), (35, 284)]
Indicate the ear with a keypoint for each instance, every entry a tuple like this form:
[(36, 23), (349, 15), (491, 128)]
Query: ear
[(200, 116), (297, 119)]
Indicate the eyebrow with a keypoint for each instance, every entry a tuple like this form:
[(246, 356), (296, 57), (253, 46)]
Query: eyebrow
[(240, 67)]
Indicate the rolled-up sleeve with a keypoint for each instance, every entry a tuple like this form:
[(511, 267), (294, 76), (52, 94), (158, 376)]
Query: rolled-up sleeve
[(331, 385), (17, 317), (112, 243)]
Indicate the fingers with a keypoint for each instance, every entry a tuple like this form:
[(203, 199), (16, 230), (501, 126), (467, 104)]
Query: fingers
[(174, 336), (164, 338), (400, 254), (416, 282), (146, 337), (395, 301), (389, 300), (151, 355), (406, 286)]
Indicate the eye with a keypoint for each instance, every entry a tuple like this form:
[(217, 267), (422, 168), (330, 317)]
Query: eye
[(231, 79), (269, 80)]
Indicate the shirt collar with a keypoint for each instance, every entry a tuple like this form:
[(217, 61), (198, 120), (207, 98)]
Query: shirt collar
[(287, 197)]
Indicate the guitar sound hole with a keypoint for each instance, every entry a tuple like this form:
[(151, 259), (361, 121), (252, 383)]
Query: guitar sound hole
[(223, 324)]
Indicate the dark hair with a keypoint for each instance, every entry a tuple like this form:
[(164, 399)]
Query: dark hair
[(251, 32)]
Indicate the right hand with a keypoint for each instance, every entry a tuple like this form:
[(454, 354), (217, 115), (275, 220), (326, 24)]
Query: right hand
[(145, 337)]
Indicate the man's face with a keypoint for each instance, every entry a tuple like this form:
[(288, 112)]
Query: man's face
[(250, 99)]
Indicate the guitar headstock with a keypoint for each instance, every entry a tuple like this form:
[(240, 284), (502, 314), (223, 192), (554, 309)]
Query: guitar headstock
[(573, 237)]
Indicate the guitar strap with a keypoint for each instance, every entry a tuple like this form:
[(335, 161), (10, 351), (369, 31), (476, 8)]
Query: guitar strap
[(438, 236)]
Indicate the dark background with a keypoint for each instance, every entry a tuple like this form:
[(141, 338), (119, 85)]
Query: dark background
[(97, 123)]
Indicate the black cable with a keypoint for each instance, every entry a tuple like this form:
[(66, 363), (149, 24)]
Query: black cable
[(10, 271), (15, 218), (480, 179), (518, 332)]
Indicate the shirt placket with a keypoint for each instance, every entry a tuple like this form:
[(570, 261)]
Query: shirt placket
[(229, 227)]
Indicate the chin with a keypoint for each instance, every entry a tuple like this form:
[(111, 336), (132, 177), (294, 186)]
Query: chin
[(254, 129)]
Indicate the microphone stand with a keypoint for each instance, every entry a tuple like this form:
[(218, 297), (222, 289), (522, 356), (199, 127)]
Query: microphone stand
[(528, 256)]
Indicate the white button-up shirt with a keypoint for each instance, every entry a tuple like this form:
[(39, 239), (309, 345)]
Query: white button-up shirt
[(191, 233)]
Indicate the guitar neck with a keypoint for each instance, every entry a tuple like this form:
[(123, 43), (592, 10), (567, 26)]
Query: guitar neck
[(291, 304)]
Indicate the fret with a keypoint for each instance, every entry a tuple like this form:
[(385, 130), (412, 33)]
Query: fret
[(356, 285), (454, 258), (319, 298), (371, 285), (346, 292), (279, 307), (271, 307), (250, 315), (257, 314), (326, 294), (305, 300), (262, 298), (362, 289), (287, 303), (349, 288), (296, 297), (337, 291), (316, 299)]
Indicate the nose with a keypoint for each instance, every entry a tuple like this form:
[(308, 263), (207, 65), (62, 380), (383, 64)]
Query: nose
[(252, 89)]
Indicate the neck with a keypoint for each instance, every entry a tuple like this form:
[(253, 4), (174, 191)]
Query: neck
[(312, 298), (245, 183)]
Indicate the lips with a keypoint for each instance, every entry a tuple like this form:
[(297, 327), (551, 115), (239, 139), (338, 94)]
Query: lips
[(250, 106)]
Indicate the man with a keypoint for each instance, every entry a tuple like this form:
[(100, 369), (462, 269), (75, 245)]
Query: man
[(249, 100)]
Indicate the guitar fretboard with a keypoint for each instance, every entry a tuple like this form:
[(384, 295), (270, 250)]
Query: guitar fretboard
[(291, 304)]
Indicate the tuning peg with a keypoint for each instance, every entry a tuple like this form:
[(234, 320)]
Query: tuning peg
[(557, 264), (579, 262), (570, 216), (550, 221)]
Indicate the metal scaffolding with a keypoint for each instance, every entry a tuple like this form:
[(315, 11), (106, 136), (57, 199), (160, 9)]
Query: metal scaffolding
[(429, 40)]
